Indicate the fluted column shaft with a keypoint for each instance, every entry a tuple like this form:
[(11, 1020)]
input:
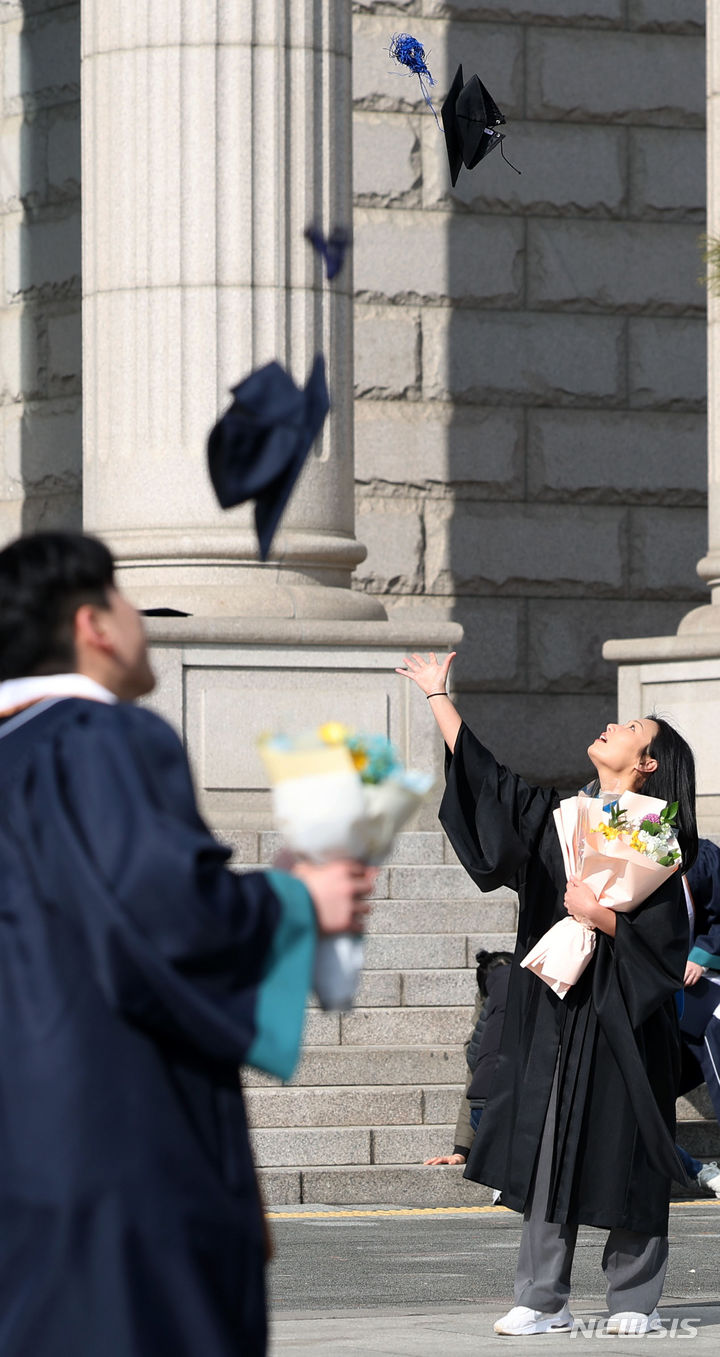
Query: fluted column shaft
[(708, 618), (212, 134)]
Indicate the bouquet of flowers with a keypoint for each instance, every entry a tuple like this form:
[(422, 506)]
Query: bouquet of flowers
[(340, 794), (623, 850)]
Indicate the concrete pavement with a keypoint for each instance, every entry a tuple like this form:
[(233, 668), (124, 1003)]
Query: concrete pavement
[(430, 1283), (453, 1331)]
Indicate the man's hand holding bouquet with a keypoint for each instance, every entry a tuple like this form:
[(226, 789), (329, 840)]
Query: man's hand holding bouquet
[(339, 795)]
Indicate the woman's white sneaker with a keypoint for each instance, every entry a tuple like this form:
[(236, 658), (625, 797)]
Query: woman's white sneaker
[(630, 1322), (521, 1320)]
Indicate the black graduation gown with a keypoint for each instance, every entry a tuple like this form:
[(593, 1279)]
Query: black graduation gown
[(130, 966), (614, 1036)]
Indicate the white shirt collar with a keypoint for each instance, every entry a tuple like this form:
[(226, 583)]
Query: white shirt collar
[(18, 692)]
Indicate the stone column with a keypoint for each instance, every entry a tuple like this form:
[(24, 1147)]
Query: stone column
[(679, 676), (212, 134), (707, 619)]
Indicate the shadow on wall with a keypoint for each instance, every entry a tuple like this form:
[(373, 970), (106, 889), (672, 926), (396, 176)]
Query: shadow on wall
[(43, 269), (566, 364)]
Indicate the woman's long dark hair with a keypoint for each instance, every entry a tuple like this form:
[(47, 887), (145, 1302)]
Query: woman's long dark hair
[(674, 780)]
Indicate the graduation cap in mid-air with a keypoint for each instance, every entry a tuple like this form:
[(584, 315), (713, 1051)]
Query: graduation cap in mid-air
[(257, 449), (332, 248), (470, 121)]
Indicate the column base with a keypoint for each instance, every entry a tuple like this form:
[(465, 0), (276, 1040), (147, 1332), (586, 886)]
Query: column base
[(217, 574), (701, 621), (679, 678), (222, 682), (248, 595)]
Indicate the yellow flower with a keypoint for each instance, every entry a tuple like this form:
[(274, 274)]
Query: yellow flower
[(636, 842), (608, 831), (359, 758), (333, 732)]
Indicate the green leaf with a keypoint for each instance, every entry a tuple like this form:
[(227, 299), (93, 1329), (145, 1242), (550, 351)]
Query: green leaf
[(668, 814), (650, 826)]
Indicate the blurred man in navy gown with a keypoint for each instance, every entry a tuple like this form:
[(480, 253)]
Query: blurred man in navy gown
[(136, 974)]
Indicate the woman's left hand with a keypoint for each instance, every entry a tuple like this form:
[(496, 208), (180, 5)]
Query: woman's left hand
[(581, 903)]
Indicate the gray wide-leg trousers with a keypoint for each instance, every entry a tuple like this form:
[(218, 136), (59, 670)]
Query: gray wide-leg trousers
[(634, 1264)]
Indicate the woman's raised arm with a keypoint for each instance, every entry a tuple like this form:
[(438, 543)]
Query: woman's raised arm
[(431, 677)]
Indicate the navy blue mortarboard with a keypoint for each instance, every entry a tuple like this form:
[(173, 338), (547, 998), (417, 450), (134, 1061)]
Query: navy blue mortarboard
[(470, 121), (331, 248), (258, 447)]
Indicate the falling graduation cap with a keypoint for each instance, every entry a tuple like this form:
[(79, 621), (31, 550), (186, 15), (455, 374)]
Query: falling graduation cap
[(470, 122), (257, 449), (331, 248)]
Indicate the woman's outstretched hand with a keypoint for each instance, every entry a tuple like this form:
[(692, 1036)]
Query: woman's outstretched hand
[(431, 678), (430, 675)]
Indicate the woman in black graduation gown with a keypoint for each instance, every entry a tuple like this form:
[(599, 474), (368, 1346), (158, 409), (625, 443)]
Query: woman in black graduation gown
[(579, 1128)]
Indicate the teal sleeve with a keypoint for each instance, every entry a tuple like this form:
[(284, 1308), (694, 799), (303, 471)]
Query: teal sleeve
[(283, 991), (702, 958)]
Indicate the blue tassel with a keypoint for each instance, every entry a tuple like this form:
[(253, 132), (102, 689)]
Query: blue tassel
[(408, 51)]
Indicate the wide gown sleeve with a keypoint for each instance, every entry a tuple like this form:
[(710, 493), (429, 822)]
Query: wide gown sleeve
[(178, 943), (492, 817)]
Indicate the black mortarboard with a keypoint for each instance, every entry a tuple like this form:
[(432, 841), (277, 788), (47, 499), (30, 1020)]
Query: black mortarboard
[(258, 447), (164, 612), (470, 118)]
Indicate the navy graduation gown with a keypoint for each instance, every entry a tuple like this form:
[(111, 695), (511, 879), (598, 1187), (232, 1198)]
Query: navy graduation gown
[(133, 969), (699, 1027), (614, 1036)]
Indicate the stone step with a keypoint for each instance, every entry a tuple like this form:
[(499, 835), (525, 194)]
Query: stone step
[(393, 951), (295, 1105), (700, 1138), (492, 942), (414, 1184), (353, 1105), (411, 848), (283, 1147), (458, 915), (695, 1106), (330, 1066), (389, 1027), (415, 988), (428, 988), (439, 951), (445, 882), (372, 1185), (378, 989)]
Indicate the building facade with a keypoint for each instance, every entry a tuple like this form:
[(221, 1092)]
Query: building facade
[(529, 363)]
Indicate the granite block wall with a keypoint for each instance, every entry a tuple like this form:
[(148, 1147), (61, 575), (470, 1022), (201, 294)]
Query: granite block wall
[(530, 349), (40, 335)]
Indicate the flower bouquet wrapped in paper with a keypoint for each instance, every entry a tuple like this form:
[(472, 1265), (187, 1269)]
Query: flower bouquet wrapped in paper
[(340, 794), (623, 850)]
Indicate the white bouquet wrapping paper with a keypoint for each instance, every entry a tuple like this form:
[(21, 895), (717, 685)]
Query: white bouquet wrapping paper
[(324, 810), (620, 875)]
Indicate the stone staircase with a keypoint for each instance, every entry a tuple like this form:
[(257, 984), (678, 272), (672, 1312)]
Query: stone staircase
[(377, 1089)]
